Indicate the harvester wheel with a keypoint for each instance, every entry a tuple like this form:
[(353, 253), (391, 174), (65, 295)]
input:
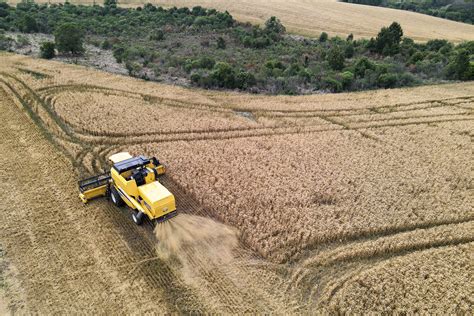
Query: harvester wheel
[(115, 196), (137, 217)]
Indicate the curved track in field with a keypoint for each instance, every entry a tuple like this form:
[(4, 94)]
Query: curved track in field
[(120, 259)]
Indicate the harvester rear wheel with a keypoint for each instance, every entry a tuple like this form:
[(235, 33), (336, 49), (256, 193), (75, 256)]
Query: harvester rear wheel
[(115, 196)]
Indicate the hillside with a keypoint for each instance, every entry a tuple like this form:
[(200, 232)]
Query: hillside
[(456, 10), (311, 17)]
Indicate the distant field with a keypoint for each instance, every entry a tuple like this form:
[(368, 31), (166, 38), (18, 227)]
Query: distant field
[(311, 17)]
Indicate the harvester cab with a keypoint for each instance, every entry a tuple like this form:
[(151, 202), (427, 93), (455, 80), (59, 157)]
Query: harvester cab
[(132, 181)]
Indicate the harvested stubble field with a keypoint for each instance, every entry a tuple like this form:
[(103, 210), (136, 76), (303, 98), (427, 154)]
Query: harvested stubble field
[(311, 17), (338, 203)]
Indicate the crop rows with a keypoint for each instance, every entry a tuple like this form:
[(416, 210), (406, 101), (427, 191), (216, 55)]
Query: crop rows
[(309, 182)]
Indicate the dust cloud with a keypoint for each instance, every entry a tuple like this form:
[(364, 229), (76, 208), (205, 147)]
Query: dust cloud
[(194, 243)]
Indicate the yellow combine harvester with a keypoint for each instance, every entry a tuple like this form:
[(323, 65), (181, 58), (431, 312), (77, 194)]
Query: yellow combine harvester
[(133, 181)]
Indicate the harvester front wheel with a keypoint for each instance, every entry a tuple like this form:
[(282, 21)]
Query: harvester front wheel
[(137, 217), (115, 196)]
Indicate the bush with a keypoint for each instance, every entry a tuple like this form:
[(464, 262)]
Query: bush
[(332, 84), (349, 51), (273, 25), (416, 57), (221, 43), (388, 40), (436, 44), (22, 41), (407, 79), (5, 42), (335, 58), (159, 35), (387, 80), (459, 67), (195, 77), (47, 50), (28, 24), (362, 65), (323, 37), (347, 78), (245, 80), (223, 75), (69, 38), (119, 53), (305, 74), (106, 45)]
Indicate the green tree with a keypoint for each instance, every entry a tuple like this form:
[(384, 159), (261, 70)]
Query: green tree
[(69, 38), (349, 50), (110, 3), (28, 24), (273, 25), (335, 58), (347, 78), (221, 43), (323, 37), (362, 65), (223, 75), (47, 50), (459, 67), (387, 80), (388, 40)]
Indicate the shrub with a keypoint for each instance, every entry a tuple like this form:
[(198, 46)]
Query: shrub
[(305, 74), (22, 41), (195, 77), (332, 84), (28, 24), (459, 67), (47, 50), (388, 40), (118, 53), (245, 80), (407, 79), (416, 57), (347, 78), (206, 62), (335, 58), (387, 80), (69, 38), (323, 37), (159, 35), (349, 50), (436, 44), (273, 25), (362, 65), (5, 42), (223, 75), (106, 45), (221, 43)]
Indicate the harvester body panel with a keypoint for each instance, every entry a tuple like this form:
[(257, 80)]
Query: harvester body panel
[(133, 180)]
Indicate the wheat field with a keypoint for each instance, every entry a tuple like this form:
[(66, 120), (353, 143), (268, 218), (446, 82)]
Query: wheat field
[(347, 203), (311, 17)]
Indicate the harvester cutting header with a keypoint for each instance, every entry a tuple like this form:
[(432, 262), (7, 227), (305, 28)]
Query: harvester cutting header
[(133, 181)]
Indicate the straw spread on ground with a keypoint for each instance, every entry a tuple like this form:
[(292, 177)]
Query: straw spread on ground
[(330, 203)]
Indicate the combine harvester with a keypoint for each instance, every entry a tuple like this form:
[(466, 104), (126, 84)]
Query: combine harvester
[(133, 181)]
